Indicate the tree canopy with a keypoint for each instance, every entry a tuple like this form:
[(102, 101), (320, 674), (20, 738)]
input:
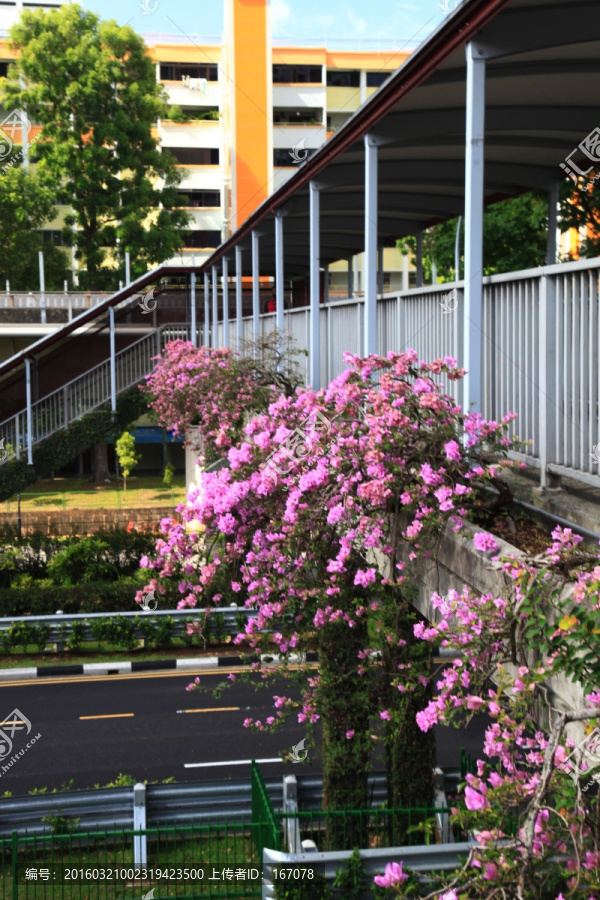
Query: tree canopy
[(92, 87)]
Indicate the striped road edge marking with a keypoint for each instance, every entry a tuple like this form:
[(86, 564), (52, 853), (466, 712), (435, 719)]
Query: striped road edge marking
[(142, 665), (230, 762)]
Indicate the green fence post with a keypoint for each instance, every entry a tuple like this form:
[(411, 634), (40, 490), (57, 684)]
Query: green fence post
[(14, 859)]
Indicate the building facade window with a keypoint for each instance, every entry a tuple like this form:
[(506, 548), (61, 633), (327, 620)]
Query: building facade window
[(298, 116), (375, 79), (283, 158), (206, 239), (202, 198), (177, 71), (3, 69), (297, 75), (52, 237), (195, 156), (339, 78)]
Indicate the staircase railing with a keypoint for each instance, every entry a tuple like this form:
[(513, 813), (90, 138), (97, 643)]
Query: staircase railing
[(86, 392)]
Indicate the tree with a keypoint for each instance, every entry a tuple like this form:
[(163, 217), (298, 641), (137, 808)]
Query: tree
[(580, 209), (514, 238), (92, 86), (26, 204), (126, 455)]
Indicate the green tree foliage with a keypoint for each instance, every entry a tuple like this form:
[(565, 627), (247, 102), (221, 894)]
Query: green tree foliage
[(26, 205), (126, 455), (92, 86), (514, 238), (579, 206)]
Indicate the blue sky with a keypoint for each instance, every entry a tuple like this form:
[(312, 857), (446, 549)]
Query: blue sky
[(396, 23)]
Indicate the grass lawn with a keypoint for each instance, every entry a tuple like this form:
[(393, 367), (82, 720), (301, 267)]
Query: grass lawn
[(79, 493)]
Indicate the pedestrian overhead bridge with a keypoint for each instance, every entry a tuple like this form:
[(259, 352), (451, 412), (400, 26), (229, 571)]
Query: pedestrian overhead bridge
[(501, 99)]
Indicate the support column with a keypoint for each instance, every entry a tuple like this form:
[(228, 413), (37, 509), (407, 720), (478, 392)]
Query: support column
[(474, 182), (113, 369), (350, 277), (29, 412), (405, 272), (279, 272), (552, 225), (255, 290), (314, 372), (457, 250), (42, 288), (370, 264), (238, 297), (193, 329), (326, 284), (225, 301), (127, 269), (215, 308), (206, 311), (419, 259)]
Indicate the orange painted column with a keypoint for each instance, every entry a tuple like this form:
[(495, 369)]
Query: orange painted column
[(250, 102)]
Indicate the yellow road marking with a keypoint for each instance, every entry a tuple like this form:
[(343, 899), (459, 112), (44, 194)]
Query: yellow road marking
[(211, 709), (110, 716)]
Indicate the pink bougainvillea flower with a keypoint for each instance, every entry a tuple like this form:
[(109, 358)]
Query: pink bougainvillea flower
[(393, 876)]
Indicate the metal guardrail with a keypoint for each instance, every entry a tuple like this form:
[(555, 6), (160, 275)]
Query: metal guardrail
[(87, 392), (165, 803), (61, 626), (423, 859)]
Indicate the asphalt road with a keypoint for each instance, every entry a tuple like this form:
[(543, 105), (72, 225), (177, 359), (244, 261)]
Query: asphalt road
[(92, 729)]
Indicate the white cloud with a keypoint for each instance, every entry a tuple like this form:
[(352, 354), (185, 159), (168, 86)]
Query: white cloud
[(281, 16)]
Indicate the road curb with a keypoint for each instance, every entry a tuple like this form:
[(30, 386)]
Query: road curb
[(121, 668)]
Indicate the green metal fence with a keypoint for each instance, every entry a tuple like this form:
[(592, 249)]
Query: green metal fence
[(369, 828), (218, 859), (267, 827)]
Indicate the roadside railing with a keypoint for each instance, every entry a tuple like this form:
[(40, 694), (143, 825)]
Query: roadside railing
[(121, 629)]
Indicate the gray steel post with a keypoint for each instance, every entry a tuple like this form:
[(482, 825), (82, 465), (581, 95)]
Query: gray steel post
[(474, 182), (127, 269), (239, 326), (255, 290), (225, 302), (547, 399), (29, 412), (315, 289), (42, 287), (140, 857), (193, 329), (370, 258), (380, 270), (113, 371), (215, 308), (279, 271), (206, 311), (350, 277)]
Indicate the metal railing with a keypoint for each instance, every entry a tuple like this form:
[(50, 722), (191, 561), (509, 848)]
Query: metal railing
[(88, 391), (422, 859), (105, 499), (540, 343), (226, 621), (166, 804)]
